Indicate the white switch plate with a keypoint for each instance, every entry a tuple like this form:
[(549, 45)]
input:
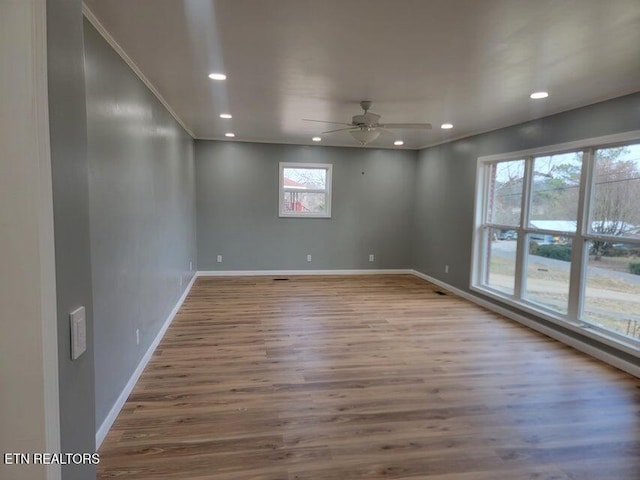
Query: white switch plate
[(137, 336), (446, 269), (78, 320), (191, 266), (308, 258), (219, 259), (371, 257)]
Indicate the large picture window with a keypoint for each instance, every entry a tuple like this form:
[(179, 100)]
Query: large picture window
[(557, 233), (305, 190)]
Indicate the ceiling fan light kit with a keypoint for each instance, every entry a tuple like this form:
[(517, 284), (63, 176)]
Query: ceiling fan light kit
[(365, 135), (365, 128)]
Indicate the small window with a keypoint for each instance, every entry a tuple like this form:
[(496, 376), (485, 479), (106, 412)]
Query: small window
[(305, 190)]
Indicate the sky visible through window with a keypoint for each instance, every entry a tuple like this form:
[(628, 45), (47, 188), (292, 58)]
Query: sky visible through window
[(306, 178), (506, 171)]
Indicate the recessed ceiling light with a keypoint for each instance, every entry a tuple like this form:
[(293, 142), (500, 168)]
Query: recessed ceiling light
[(316, 139), (225, 115), (538, 95), (230, 135), (446, 126), (398, 142), (217, 76)]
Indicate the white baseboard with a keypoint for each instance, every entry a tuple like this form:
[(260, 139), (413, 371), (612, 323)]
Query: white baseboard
[(275, 273), (122, 398), (550, 332)]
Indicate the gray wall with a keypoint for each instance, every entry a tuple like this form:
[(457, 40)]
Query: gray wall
[(142, 205), (67, 116), (237, 206), (445, 179)]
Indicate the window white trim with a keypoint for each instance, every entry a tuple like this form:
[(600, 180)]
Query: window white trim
[(572, 320), (327, 191)]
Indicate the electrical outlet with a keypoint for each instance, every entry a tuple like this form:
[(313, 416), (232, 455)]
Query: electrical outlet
[(446, 269), (137, 336), (308, 257), (372, 257), (191, 266), (219, 259)]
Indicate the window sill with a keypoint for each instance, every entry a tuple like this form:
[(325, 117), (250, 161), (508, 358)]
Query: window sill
[(593, 332), (307, 215)]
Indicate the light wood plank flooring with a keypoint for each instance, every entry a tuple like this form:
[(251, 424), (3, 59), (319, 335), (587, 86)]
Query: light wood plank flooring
[(367, 377)]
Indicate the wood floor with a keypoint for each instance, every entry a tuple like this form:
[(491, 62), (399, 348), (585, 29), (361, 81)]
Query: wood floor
[(368, 377)]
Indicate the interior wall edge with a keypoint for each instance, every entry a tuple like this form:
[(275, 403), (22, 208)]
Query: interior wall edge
[(47, 243), (70, 190), (29, 376)]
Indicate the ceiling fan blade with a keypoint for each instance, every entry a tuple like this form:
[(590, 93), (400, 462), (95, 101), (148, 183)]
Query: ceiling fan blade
[(417, 126), (324, 121), (386, 132), (339, 130)]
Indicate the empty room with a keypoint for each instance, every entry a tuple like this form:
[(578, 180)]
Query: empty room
[(320, 239)]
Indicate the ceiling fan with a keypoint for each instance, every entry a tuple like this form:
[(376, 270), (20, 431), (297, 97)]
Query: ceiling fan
[(366, 128)]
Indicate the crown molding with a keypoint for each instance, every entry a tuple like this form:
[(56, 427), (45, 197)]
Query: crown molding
[(89, 15)]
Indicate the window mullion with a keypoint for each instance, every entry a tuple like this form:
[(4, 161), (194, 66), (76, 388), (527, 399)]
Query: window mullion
[(485, 240), (484, 257), (501, 226), (578, 258), (521, 250)]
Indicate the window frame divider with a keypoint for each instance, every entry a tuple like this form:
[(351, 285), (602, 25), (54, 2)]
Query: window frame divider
[(520, 282), (578, 255)]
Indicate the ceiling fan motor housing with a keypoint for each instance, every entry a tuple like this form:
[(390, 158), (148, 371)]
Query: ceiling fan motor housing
[(368, 119)]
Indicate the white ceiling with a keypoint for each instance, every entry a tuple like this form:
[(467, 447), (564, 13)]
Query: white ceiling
[(469, 62)]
